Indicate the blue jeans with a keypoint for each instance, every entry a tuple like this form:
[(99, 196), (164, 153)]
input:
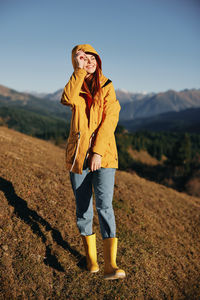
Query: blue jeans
[(102, 180)]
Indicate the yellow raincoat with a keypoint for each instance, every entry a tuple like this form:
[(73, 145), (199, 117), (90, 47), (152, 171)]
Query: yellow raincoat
[(97, 133)]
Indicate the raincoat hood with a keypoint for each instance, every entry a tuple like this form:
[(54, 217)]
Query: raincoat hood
[(86, 48)]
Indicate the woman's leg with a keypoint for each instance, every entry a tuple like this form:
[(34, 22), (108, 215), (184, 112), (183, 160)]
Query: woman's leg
[(103, 181), (82, 188)]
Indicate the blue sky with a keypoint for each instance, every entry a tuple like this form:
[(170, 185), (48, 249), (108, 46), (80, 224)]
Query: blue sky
[(145, 45)]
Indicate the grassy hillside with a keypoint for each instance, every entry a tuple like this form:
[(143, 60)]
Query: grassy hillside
[(41, 255)]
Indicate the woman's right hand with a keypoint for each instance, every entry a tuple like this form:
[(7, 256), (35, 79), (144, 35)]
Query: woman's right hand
[(80, 58), (94, 161)]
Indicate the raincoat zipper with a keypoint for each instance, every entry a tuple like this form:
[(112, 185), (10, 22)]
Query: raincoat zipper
[(79, 135), (90, 143)]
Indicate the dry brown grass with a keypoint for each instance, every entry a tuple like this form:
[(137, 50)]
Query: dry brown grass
[(144, 157), (193, 185), (41, 254)]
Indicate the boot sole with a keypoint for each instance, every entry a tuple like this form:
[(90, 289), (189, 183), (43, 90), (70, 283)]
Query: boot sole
[(114, 276), (94, 271)]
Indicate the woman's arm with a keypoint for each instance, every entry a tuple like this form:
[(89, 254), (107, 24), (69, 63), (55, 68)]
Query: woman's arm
[(72, 89), (109, 122)]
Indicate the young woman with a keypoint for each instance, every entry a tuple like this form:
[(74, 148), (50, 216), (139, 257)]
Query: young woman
[(91, 154)]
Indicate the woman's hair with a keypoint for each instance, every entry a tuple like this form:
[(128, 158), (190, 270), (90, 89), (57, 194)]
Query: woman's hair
[(92, 82)]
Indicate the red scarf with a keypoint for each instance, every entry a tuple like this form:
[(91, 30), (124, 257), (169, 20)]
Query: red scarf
[(88, 100)]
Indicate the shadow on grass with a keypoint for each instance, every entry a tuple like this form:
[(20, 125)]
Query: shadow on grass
[(31, 218)]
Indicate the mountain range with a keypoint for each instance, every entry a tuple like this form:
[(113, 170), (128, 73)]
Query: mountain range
[(145, 105), (138, 110), (33, 103), (136, 106)]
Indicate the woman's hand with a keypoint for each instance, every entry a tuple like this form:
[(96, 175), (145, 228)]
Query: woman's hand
[(80, 58), (95, 162)]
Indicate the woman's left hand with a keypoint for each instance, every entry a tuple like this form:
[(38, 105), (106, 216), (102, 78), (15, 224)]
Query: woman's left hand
[(95, 162)]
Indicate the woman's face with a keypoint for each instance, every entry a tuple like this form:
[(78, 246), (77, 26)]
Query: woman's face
[(86, 61), (90, 64)]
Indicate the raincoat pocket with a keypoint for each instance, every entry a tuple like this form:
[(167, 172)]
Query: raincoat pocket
[(72, 147)]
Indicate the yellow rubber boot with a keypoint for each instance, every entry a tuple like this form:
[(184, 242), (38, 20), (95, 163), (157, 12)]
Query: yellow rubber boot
[(89, 243), (111, 270)]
